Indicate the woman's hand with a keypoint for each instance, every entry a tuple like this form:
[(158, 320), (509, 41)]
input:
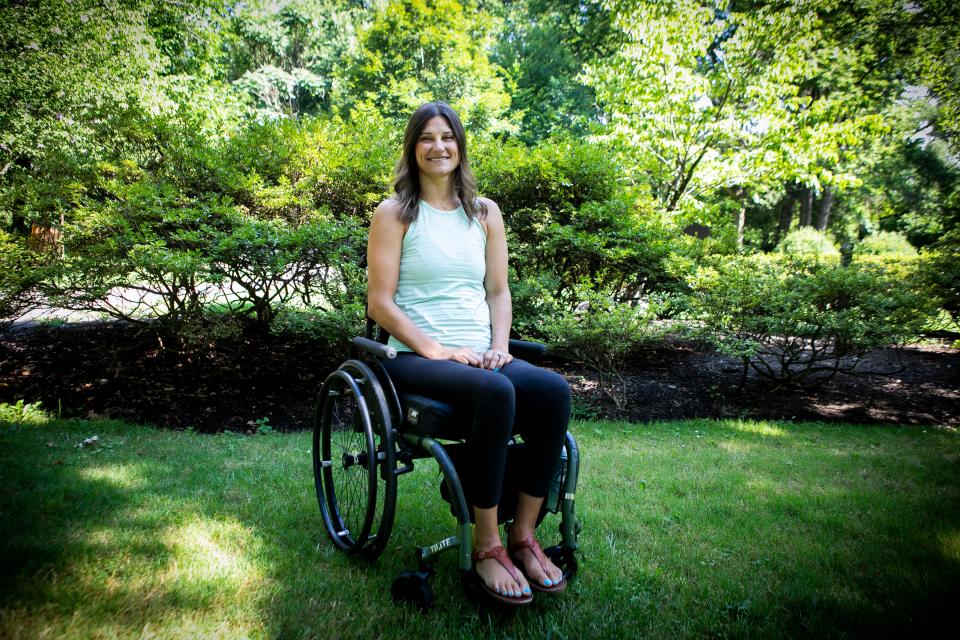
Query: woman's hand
[(464, 355), (496, 359)]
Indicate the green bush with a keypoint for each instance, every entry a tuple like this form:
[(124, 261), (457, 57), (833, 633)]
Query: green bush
[(555, 174), (333, 327), (603, 335), (138, 254), (570, 220), (807, 241), (940, 273), (884, 243), (796, 320), (176, 256), (347, 166), (20, 272), (534, 305), (262, 265)]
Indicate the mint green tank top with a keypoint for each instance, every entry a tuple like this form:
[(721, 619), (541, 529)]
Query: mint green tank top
[(442, 266)]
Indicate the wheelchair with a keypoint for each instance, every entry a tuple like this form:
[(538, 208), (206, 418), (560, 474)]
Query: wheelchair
[(366, 434)]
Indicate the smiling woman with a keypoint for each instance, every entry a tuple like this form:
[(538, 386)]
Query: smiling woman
[(437, 283)]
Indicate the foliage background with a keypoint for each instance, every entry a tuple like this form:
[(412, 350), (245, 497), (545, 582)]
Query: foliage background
[(213, 160)]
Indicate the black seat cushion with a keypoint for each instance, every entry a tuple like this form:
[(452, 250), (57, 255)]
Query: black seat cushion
[(433, 418)]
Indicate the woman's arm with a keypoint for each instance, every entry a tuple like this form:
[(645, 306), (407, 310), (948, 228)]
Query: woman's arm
[(384, 246), (498, 291)]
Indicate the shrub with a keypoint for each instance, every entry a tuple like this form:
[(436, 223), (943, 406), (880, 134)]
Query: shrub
[(884, 243), (571, 220), (796, 320), (139, 255), (534, 305), (261, 265), (20, 272), (807, 241), (940, 273), (159, 253), (334, 327), (555, 174), (602, 335), (347, 166)]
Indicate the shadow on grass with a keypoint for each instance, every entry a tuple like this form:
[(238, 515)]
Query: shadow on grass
[(109, 537)]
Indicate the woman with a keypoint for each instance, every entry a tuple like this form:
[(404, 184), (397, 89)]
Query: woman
[(437, 282)]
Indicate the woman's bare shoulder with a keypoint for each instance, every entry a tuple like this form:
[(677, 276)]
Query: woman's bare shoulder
[(388, 211), (490, 204), (493, 211)]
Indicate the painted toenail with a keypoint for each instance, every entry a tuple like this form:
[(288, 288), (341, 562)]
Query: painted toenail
[(548, 582), (526, 590)]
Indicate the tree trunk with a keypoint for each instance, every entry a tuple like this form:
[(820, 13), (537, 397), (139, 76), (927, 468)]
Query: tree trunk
[(741, 222), (46, 240), (806, 207), (740, 217), (786, 214), (823, 211)]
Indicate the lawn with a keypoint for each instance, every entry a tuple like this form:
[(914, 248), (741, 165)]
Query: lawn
[(695, 528)]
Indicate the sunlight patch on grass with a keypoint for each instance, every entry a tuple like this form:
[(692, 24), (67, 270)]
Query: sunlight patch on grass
[(213, 552), (121, 476), (760, 428), (950, 544)]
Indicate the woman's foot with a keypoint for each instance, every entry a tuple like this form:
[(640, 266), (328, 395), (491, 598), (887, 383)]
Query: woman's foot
[(535, 565), (498, 574)]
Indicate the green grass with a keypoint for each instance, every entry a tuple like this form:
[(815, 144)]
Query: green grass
[(697, 528)]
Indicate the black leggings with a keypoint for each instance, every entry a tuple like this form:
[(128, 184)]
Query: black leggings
[(520, 398)]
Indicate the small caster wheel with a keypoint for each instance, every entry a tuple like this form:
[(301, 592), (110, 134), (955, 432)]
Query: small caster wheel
[(412, 587), (565, 560)]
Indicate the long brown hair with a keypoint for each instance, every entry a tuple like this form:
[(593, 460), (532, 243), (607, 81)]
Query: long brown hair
[(406, 175)]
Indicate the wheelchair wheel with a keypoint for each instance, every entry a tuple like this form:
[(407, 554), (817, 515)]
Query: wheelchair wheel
[(384, 506), (353, 461)]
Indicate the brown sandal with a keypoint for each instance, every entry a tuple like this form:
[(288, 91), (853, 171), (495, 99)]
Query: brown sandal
[(532, 544), (499, 554)]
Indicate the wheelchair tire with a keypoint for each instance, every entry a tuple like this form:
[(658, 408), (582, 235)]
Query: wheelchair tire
[(343, 448), (385, 502)]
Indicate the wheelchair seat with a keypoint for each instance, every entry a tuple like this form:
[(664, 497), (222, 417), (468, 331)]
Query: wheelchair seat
[(430, 417)]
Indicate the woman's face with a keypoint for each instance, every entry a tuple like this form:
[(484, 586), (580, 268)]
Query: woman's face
[(437, 151)]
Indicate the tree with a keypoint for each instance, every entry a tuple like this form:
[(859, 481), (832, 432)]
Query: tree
[(934, 32), (86, 82), (736, 99), (286, 57), (543, 49), (415, 51)]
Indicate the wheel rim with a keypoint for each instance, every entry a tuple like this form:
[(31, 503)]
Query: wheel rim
[(386, 492), (346, 464)]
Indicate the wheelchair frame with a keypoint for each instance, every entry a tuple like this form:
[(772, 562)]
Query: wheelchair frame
[(363, 449)]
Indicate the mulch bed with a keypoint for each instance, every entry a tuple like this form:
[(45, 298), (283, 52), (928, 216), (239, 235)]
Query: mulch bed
[(118, 370)]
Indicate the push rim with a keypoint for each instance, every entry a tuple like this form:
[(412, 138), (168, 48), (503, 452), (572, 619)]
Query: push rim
[(345, 468)]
